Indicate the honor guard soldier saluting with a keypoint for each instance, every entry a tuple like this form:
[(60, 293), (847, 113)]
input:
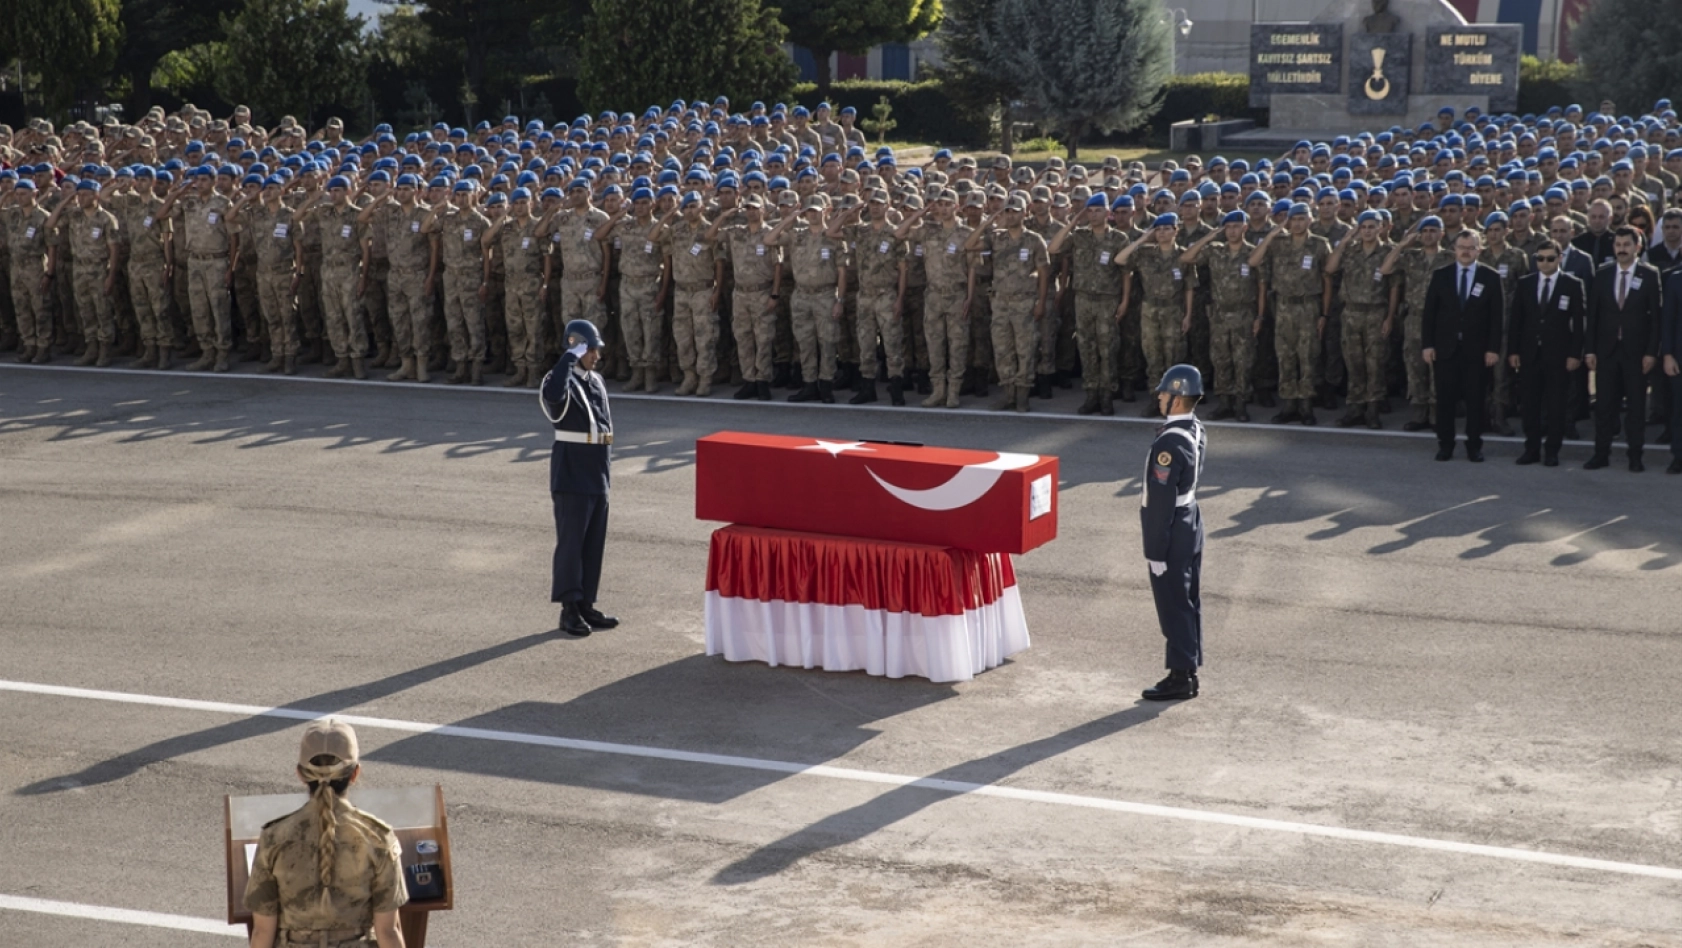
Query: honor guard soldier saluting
[(329, 875), (1172, 527), (574, 400)]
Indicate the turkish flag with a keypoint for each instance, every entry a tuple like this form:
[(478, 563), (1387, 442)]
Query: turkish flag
[(986, 501)]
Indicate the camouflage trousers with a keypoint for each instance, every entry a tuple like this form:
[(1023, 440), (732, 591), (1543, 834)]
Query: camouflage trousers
[(1095, 330), (916, 340), (1159, 331), (753, 321), (639, 319), (783, 349), (411, 312), (846, 332), (816, 331), (524, 314), (876, 317), (1422, 389), (1127, 347), (376, 303), (1016, 339), (309, 296), (274, 292), (1232, 350), (946, 332), (981, 327), (148, 292), (578, 301), (464, 315), (695, 329), (207, 292), (1296, 339), (1050, 327), (246, 299), (1366, 348), (347, 330), (35, 317), (93, 307)]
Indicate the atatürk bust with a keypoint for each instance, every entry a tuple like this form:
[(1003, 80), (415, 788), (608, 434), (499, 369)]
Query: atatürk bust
[(1381, 20)]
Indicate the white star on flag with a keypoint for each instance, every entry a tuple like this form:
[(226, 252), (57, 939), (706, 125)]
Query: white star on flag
[(835, 448)]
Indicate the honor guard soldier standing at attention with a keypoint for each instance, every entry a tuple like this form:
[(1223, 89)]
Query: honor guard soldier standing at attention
[(328, 875), (1172, 527), (574, 400)]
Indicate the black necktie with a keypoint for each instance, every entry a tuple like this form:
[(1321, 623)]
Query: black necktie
[(1547, 289), (1465, 283)]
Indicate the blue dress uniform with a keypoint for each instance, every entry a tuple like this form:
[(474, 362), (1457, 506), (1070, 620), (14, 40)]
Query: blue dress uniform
[(575, 402), (1172, 527)]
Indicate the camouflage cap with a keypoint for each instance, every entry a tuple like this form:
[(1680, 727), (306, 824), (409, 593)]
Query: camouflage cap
[(330, 737)]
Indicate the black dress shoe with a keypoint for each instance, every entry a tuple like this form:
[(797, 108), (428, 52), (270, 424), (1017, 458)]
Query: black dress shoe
[(1475, 455), (1551, 460), (596, 618), (1445, 453), (1596, 463), (1675, 467), (1528, 457), (572, 623), (1635, 466), (1178, 686)]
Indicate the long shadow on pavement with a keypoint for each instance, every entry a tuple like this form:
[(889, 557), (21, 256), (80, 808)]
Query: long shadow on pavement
[(124, 765), (883, 811)]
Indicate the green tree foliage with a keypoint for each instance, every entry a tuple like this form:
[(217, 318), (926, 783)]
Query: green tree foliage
[(970, 71), (154, 29), (637, 52), (70, 44), (1086, 64), (853, 26), (493, 40), (1630, 52), (294, 57)]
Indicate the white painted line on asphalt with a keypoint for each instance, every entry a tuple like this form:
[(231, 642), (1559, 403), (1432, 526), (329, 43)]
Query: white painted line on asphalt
[(779, 402), (102, 913), (956, 787)]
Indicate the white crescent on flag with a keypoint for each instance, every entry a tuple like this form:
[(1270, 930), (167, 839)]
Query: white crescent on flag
[(964, 488)]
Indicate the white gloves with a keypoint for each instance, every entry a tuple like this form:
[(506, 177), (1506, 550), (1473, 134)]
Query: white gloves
[(1158, 567), (577, 352)]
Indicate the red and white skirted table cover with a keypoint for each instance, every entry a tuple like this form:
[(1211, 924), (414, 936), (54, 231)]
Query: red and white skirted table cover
[(845, 604)]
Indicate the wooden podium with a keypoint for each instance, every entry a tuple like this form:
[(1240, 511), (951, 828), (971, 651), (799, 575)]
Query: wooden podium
[(416, 813)]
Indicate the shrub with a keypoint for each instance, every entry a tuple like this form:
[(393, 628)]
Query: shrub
[(922, 111)]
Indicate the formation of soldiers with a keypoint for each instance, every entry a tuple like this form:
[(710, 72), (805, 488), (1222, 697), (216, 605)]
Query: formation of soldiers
[(774, 248)]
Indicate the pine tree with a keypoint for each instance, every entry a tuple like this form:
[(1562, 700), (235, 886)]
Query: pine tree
[(1081, 65), (1630, 51), (292, 57), (641, 51), (970, 71)]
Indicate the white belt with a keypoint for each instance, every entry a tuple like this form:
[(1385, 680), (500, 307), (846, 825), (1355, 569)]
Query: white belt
[(584, 437), (1184, 500)]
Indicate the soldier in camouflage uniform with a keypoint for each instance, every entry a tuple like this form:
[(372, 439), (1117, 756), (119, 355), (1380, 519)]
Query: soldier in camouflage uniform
[(937, 237), (980, 305), (1166, 285), (1234, 302), (1369, 311), (210, 242), (328, 875), (644, 280), (1093, 246), (414, 271), (332, 213), (819, 263), (460, 230), (579, 248), (279, 265), (1295, 268), (247, 298), (1021, 281), (1127, 348), (1416, 257), (149, 263), (1511, 264), (697, 281), (92, 234), (25, 222), (879, 259), (1330, 367), (513, 239), (758, 271)]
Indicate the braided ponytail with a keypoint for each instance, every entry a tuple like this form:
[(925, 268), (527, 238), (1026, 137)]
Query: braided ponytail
[(328, 778)]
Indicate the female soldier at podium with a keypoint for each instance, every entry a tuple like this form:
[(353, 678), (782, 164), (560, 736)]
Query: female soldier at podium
[(327, 876)]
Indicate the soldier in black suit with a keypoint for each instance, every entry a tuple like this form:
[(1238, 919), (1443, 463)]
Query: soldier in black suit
[(575, 401), (1622, 346), (1459, 335), (1545, 339), (1172, 527), (1574, 261), (1671, 348)]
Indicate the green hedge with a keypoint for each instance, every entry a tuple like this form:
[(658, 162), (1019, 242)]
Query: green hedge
[(922, 110), (1226, 94), (1545, 84)]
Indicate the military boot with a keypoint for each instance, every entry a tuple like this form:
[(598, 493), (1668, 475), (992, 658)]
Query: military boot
[(340, 369), (89, 356), (704, 387), (1223, 408), (1179, 685), (43, 355), (102, 359), (896, 390), (1353, 416), (273, 365), (826, 392), (1106, 403), (807, 393), (1308, 413), (25, 354), (1419, 420), (421, 369), (1006, 401), (405, 371), (1373, 420), (1023, 392), (163, 357), (458, 376), (937, 394), (864, 392), (533, 380), (952, 386), (221, 363), (1090, 406), (518, 378), (148, 357), (357, 369), (476, 373), (290, 366), (747, 391), (690, 382), (650, 380), (631, 386), (1239, 411), (1287, 413)]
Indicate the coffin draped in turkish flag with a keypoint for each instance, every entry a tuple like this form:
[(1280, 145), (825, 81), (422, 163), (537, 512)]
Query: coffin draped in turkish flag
[(986, 501)]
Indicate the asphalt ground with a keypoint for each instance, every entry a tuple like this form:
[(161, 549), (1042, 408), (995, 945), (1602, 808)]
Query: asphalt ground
[(1476, 661)]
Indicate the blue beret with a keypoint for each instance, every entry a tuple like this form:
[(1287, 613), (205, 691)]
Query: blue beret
[(1122, 201), (1495, 217), (1261, 196), (1166, 220), (578, 182), (1367, 215), (88, 184), (1431, 221), (520, 194), (1453, 200), (1231, 187), (1235, 217), (1180, 174), (464, 185), (26, 185), (642, 194), (1098, 200), (548, 193), (338, 181), (408, 181), (691, 197), (439, 182), (1298, 210)]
